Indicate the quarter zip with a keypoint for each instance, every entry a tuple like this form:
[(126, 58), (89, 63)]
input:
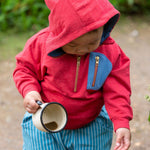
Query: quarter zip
[(96, 69), (77, 73)]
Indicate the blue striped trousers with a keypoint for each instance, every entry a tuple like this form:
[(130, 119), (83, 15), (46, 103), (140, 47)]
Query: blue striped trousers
[(97, 135)]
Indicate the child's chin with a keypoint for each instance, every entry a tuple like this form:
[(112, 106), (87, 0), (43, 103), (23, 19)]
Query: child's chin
[(81, 54)]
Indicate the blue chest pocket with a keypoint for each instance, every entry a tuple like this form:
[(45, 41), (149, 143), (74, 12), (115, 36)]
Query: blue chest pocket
[(99, 69)]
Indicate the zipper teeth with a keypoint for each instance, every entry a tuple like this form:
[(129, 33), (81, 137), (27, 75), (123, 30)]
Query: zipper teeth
[(77, 73), (96, 69)]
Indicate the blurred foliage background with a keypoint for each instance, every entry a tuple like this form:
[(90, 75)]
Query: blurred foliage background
[(26, 15), (23, 14)]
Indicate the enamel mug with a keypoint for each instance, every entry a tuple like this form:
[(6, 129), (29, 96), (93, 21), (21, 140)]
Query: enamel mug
[(50, 117)]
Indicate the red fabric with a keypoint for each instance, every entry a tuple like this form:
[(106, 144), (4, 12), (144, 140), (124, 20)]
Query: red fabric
[(70, 19), (54, 77)]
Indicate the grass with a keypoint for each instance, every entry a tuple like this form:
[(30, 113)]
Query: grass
[(11, 43)]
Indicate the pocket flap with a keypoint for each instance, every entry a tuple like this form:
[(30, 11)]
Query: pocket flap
[(99, 72)]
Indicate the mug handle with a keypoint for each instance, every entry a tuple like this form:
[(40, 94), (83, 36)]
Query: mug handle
[(39, 102)]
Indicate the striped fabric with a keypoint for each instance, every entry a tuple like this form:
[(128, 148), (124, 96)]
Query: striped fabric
[(94, 136)]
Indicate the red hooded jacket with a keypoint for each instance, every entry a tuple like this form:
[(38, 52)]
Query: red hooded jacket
[(42, 66)]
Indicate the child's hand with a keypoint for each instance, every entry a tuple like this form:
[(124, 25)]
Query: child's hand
[(30, 101), (123, 139)]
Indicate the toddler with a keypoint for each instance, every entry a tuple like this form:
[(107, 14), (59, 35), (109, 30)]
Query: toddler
[(76, 63)]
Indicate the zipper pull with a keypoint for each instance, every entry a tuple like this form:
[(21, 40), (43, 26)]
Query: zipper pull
[(96, 69), (78, 60), (77, 73)]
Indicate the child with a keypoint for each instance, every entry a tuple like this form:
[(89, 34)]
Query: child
[(75, 62)]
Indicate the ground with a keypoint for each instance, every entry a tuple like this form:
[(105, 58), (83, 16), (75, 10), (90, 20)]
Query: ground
[(133, 37)]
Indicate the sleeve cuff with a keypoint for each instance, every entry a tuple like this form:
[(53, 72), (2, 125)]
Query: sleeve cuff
[(121, 124), (29, 89)]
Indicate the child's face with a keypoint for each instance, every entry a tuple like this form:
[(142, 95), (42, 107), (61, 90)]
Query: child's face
[(85, 43)]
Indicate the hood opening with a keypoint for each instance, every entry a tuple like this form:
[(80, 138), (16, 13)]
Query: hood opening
[(106, 33), (69, 19), (108, 27), (56, 53)]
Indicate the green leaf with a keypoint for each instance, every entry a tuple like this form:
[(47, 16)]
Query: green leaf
[(149, 117), (130, 2), (147, 98)]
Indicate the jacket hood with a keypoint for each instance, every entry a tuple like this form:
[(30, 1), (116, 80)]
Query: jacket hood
[(70, 19)]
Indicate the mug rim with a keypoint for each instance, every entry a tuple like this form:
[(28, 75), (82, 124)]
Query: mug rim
[(43, 112)]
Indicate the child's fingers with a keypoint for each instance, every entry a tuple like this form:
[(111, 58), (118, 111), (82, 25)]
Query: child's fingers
[(32, 106), (30, 101), (30, 110), (117, 146), (118, 143), (127, 143), (123, 138)]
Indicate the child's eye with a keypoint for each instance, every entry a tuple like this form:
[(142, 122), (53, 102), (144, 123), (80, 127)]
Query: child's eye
[(71, 45)]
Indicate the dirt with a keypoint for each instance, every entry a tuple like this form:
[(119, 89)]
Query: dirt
[(133, 37)]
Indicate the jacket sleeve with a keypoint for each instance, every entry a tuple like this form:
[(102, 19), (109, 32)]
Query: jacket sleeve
[(27, 74), (117, 92)]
